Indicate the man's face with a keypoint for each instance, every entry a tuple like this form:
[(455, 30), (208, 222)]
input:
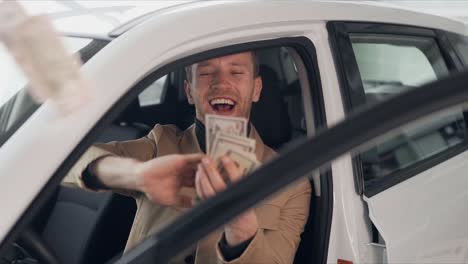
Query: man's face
[(224, 86)]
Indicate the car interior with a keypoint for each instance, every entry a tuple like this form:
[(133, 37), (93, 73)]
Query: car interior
[(92, 227)]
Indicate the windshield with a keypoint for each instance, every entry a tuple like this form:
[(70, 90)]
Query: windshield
[(16, 105)]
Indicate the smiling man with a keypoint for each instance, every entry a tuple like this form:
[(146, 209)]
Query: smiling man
[(225, 86), (166, 169)]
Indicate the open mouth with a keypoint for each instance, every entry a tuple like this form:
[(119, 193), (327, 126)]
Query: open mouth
[(222, 105)]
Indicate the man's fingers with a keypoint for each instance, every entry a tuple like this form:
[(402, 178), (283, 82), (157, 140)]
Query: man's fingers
[(184, 201), (207, 189), (187, 176), (232, 171), (214, 177), (198, 178), (193, 159), (188, 180)]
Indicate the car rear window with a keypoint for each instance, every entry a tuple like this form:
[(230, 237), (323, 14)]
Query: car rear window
[(390, 65)]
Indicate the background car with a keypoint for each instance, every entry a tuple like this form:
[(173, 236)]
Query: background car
[(320, 63)]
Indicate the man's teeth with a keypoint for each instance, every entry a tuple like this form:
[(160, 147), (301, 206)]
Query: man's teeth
[(222, 101)]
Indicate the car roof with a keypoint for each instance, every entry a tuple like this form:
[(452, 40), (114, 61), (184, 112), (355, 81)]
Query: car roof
[(105, 20), (326, 10), (94, 19)]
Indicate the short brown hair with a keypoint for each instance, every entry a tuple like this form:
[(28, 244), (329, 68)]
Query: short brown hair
[(256, 64)]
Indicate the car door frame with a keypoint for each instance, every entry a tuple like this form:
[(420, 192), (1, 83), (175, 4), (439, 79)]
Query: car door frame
[(352, 89), (353, 97), (307, 52)]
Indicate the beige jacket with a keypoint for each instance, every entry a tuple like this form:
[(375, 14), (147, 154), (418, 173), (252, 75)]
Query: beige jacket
[(281, 218)]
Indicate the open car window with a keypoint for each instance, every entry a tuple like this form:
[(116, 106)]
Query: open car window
[(285, 73)]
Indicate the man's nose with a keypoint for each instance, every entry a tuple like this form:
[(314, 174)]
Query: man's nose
[(221, 80)]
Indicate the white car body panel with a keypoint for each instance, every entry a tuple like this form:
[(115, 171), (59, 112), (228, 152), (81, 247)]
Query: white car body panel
[(347, 226), (403, 215), (340, 246), (47, 138)]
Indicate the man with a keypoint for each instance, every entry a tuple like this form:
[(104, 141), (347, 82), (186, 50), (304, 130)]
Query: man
[(165, 170)]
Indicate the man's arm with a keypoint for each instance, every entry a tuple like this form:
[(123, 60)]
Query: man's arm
[(112, 172), (130, 167), (142, 149), (265, 243), (278, 243), (160, 179)]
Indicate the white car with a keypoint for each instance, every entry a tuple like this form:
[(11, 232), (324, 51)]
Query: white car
[(398, 200)]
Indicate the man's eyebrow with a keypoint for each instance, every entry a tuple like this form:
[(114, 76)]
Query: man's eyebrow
[(234, 63), (238, 64), (204, 64)]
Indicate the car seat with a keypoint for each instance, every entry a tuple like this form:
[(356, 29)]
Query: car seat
[(90, 227), (269, 115)]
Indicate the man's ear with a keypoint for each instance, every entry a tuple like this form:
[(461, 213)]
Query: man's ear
[(258, 85), (188, 92)]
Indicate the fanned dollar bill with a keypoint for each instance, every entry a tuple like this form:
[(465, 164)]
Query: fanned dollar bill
[(224, 142), (246, 162), (227, 136), (236, 126)]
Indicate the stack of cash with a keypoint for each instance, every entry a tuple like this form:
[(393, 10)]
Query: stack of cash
[(227, 136)]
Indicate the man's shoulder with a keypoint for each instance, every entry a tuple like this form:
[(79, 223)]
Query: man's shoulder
[(168, 139), (268, 153), (169, 132)]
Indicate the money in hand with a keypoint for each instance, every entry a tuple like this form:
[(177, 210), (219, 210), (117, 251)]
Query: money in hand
[(247, 162), (227, 136), (235, 126), (224, 142)]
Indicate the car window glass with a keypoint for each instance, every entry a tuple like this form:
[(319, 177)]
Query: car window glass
[(152, 94), (390, 65), (461, 46), (12, 78)]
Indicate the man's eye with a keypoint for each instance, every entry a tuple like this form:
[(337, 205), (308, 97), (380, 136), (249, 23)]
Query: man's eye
[(205, 73), (237, 72)]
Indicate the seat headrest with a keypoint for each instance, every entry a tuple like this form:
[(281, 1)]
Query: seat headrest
[(270, 115)]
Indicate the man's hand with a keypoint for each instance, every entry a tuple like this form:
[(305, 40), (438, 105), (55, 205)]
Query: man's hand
[(162, 178), (209, 182)]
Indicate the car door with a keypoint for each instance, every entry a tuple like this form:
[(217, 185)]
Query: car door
[(296, 162), (414, 182), (123, 69)]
